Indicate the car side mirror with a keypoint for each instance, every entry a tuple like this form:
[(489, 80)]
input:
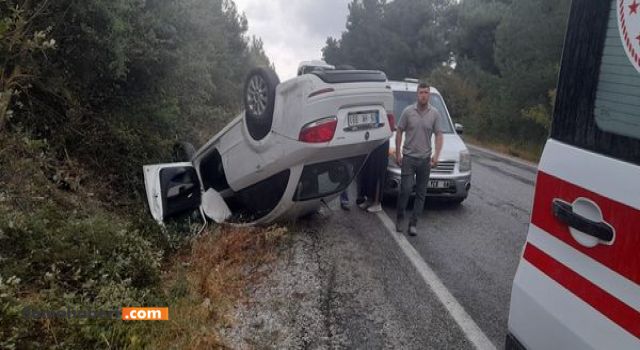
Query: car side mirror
[(459, 128)]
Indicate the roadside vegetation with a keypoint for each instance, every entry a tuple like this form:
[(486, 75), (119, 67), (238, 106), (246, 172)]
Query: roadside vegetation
[(495, 61), (89, 92)]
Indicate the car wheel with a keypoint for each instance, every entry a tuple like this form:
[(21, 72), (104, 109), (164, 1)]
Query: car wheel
[(259, 100), (183, 152)]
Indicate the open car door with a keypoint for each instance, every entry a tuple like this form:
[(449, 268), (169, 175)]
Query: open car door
[(171, 189)]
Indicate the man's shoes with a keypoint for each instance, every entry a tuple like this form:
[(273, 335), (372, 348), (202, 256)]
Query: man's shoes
[(400, 227), (375, 208), (364, 205), (413, 231), (360, 200), (345, 206)]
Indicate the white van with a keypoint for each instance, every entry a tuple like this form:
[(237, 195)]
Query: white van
[(450, 179), (578, 282)]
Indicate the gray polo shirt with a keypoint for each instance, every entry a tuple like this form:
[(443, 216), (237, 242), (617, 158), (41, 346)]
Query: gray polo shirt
[(418, 128)]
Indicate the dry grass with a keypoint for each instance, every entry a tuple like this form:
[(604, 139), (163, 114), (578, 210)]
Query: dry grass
[(211, 279), (529, 153)]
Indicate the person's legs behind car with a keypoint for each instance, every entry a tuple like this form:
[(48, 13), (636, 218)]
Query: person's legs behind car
[(379, 164)]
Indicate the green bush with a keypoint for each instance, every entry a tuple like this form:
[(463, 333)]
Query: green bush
[(51, 249), (90, 92), (81, 261)]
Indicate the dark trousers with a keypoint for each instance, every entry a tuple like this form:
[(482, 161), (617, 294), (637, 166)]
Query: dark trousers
[(371, 177), (415, 171)]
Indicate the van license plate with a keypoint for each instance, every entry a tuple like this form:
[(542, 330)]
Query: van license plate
[(363, 119), (439, 184)]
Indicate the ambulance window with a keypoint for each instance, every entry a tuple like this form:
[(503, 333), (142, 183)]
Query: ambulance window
[(617, 106), (598, 98)]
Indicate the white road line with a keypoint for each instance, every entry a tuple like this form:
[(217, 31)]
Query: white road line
[(462, 318)]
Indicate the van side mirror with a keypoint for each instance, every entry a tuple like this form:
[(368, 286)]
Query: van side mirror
[(459, 128)]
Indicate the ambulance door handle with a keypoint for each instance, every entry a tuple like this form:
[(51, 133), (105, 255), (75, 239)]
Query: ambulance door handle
[(563, 211)]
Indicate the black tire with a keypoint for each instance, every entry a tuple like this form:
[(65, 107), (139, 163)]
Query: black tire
[(259, 99), (183, 152)]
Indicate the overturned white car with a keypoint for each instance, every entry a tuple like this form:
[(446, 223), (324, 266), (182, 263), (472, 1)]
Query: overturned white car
[(297, 143)]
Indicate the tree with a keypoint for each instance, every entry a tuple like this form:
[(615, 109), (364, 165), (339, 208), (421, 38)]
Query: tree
[(474, 37), (23, 45), (363, 44), (527, 54), (402, 37), (421, 36), (131, 74)]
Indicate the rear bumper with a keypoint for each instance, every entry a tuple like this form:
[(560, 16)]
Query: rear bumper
[(324, 185), (459, 189)]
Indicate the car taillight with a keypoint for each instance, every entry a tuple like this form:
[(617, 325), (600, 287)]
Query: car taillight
[(321, 130), (392, 121)]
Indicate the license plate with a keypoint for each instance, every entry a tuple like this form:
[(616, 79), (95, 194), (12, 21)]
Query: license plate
[(439, 184), (363, 119)]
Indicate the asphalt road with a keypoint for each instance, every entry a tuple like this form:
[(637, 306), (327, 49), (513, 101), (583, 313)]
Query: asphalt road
[(345, 283), (474, 248)]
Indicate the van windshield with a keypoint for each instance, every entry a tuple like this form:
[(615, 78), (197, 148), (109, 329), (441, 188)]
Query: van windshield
[(404, 98)]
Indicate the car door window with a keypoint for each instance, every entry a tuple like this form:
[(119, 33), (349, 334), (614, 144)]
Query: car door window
[(598, 90)]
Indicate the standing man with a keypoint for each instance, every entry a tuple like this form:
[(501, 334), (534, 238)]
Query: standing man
[(418, 121)]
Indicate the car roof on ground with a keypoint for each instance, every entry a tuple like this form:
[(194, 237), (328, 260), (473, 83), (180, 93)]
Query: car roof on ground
[(408, 86)]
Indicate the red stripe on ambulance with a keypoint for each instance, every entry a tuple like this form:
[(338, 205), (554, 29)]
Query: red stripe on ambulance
[(623, 256), (611, 307)]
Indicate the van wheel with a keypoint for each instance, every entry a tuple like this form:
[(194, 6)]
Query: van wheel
[(259, 100), (183, 152)]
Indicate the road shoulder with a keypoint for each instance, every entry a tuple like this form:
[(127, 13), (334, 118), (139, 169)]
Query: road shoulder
[(521, 163), (343, 283)]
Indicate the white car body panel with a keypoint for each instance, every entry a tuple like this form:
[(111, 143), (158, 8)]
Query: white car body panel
[(549, 317), (247, 161)]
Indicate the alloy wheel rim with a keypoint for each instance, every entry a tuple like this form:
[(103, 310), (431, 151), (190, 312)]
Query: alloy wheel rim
[(257, 95)]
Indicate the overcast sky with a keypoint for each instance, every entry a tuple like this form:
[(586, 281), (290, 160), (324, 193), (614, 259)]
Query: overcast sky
[(294, 30)]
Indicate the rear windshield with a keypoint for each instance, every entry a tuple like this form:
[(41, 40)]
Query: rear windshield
[(404, 98), (323, 179)]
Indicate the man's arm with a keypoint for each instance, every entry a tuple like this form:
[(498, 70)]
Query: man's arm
[(399, 133), (439, 143), (437, 127)]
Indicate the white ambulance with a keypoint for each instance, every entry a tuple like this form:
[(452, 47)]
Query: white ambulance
[(578, 282)]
